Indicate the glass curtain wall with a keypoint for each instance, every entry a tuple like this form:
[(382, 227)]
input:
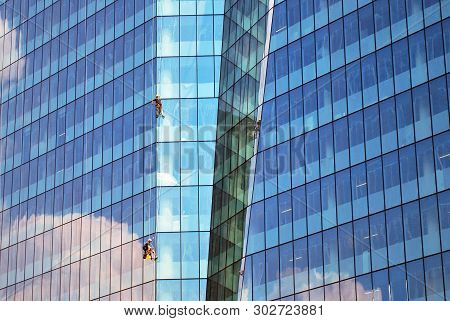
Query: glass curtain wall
[(77, 146), (87, 172), (188, 48), (342, 194)]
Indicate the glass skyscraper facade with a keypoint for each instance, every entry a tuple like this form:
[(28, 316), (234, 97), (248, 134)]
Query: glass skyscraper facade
[(188, 48), (332, 165), (88, 173), (303, 153)]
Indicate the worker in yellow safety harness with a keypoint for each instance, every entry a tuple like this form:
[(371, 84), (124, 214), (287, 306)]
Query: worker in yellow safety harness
[(158, 105), (149, 251)]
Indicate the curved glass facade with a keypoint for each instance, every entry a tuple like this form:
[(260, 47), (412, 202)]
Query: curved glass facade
[(87, 172), (342, 193), (309, 138)]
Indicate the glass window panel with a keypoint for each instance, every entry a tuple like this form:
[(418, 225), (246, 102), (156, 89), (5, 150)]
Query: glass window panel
[(168, 249), (414, 15), (313, 207), (330, 256), (322, 51), (346, 254), (362, 246), (412, 229), (188, 24), (430, 225), (285, 217), (391, 179), (359, 191), (401, 66), (431, 11), (281, 70), (421, 108), (369, 80), (299, 209), (337, 44), (279, 32), (446, 268), (444, 204), (339, 91), (380, 286), (205, 38), (343, 196), (270, 175), (324, 100), (335, 8), (308, 58), (366, 30), (404, 119), (328, 196), (301, 265), (398, 19), (307, 15), (310, 106), (378, 241), (315, 260), (433, 278), (169, 209), (417, 56), (256, 233), (312, 155), (271, 222), (416, 282), (351, 33), (372, 131), (268, 126), (272, 274), (364, 291), (282, 110), (295, 65), (283, 166), (286, 270), (397, 277), (259, 276), (356, 135), (395, 236), (425, 168), (388, 126), (439, 105), (375, 185), (293, 19), (408, 173), (190, 255)]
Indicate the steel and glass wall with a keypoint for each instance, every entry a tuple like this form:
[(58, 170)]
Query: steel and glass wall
[(188, 42), (76, 147), (87, 171), (343, 192)]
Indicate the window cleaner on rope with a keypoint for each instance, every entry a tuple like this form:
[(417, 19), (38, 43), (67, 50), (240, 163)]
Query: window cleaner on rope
[(149, 251), (158, 106), (256, 129)]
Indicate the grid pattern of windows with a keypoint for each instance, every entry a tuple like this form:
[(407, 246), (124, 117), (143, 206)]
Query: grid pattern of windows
[(87, 172), (343, 194), (188, 42)]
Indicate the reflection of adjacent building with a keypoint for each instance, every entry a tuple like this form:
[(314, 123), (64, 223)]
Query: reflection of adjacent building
[(240, 93)]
